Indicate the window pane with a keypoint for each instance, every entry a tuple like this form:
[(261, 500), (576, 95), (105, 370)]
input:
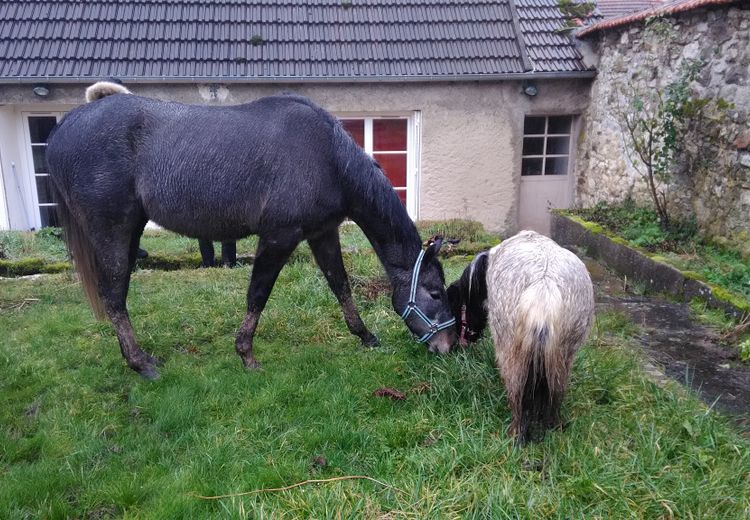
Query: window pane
[(394, 166), (556, 166), (40, 163), (533, 125), (356, 128), (40, 127), (558, 145), (559, 125), (531, 167), (389, 135), (48, 216), (533, 145), (44, 189), (402, 195)]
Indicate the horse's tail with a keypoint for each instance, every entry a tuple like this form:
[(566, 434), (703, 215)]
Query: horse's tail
[(81, 252), (102, 89), (544, 354)]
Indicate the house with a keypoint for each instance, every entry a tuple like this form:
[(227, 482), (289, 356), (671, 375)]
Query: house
[(471, 106), (645, 52)]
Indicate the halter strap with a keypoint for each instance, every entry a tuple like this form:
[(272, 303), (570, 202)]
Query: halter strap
[(411, 306)]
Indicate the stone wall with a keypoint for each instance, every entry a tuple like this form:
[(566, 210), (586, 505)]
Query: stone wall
[(645, 56)]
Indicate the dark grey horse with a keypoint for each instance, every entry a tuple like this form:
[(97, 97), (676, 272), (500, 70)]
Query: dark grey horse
[(281, 168)]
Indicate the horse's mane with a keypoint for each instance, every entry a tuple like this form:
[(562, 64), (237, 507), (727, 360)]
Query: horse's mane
[(364, 181)]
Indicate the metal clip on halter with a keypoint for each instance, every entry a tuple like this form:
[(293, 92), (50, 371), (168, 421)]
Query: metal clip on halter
[(434, 327)]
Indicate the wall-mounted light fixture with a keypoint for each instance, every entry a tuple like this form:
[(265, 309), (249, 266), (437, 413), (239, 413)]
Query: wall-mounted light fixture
[(529, 88), (41, 90)]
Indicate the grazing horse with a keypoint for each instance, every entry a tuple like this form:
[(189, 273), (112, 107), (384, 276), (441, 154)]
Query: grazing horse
[(539, 301), (281, 168)]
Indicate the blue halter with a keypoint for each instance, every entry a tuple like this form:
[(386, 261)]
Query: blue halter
[(434, 327)]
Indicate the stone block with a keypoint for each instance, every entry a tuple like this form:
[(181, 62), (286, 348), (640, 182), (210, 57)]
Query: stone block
[(742, 142)]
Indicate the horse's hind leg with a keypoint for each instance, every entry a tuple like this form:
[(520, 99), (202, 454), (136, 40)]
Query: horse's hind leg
[(207, 253), (116, 251), (270, 258), (327, 251)]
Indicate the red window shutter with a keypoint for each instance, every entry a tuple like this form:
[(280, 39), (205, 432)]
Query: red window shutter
[(394, 166), (389, 135), (356, 128)]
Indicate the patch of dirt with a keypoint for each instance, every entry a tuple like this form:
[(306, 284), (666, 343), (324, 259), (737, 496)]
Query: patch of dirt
[(371, 288), (689, 352), (390, 393), (102, 513)]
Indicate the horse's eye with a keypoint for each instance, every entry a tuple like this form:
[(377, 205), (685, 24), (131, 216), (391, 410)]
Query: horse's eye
[(435, 295)]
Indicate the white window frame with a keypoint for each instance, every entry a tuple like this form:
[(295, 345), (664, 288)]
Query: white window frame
[(4, 217), (544, 156), (413, 149), (29, 175)]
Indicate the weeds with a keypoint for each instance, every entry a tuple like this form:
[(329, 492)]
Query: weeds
[(680, 245)]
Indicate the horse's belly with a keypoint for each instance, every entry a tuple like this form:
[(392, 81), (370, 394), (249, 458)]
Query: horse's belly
[(209, 221)]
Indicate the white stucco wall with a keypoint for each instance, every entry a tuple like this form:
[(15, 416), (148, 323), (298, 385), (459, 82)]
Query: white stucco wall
[(470, 136)]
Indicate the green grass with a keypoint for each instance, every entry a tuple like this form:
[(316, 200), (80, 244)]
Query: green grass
[(680, 246), (43, 251), (44, 244), (81, 436)]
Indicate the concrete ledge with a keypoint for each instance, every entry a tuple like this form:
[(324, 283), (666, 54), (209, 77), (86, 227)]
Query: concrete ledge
[(636, 265)]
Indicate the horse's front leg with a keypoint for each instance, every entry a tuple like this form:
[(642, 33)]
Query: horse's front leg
[(327, 251), (270, 257)]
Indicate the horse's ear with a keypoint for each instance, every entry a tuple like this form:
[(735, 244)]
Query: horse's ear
[(433, 247)]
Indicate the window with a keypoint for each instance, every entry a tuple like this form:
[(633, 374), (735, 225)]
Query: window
[(39, 128), (546, 145), (386, 140)]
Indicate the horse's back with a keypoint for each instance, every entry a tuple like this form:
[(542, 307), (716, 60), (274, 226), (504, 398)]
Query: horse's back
[(216, 172)]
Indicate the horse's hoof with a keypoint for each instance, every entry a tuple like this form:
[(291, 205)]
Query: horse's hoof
[(149, 372), (155, 361), (251, 364), (370, 341)]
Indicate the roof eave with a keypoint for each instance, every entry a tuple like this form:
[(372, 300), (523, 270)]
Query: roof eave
[(669, 9), (582, 74)]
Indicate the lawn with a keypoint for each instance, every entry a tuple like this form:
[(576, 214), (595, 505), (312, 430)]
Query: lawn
[(43, 251), (81, 436)]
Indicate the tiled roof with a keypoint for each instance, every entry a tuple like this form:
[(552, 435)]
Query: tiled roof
[(666, 8), (549, 48), (616, 8), (278, 39)]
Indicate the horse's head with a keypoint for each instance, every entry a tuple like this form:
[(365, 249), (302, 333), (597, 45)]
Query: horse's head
[(468, 297), (423, 302)]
